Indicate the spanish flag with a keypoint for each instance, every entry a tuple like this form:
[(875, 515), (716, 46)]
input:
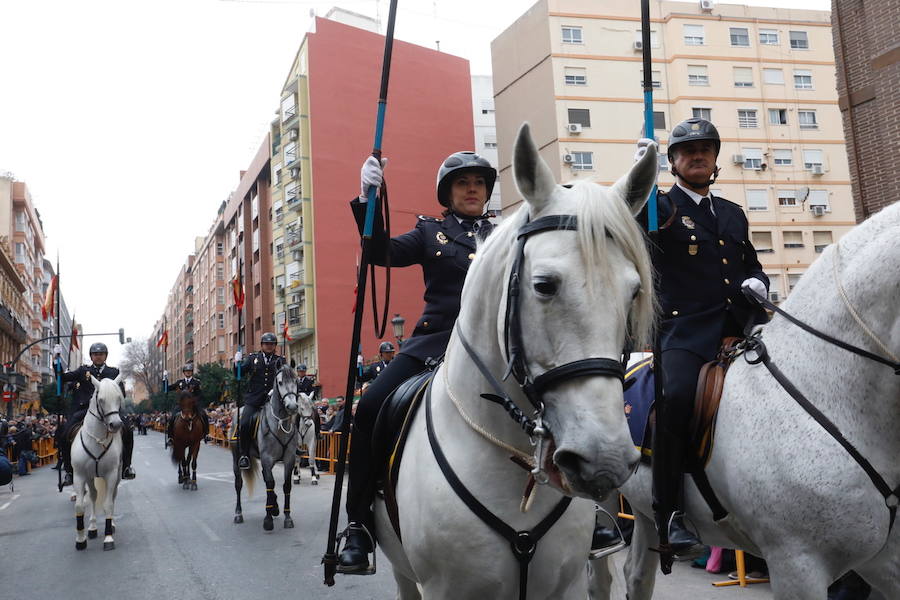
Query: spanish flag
[(238, 291), (48, 307), (284, 331), (163, 339), (74, 342)]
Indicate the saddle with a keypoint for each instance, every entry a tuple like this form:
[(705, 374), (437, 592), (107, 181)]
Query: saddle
[(390, 433)]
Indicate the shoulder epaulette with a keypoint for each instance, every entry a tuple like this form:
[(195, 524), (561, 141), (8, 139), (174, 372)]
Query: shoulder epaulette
[(735, 204), (428, 219)]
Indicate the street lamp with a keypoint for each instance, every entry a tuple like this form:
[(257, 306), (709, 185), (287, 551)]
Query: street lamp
[(397, 323)]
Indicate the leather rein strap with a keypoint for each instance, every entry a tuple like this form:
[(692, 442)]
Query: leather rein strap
[(523, 543)]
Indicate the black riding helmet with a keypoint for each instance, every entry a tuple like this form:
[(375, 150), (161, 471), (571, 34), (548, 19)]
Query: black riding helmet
[(690, 130), (187, 367), (459, 162), (386, 347), (98, 348), (268, 338)]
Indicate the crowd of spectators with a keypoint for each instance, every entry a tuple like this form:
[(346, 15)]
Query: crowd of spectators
[(19, 436)]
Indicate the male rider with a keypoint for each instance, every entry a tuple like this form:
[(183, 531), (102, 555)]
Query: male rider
[(259, 370)]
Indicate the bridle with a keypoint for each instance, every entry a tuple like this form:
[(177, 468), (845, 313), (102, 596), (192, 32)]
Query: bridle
[(289, 417), (103, 414), (533, 387)]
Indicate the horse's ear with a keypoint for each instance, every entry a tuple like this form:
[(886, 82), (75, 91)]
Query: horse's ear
[(533, 177), (119, 377), (634, 187), (95, 382)]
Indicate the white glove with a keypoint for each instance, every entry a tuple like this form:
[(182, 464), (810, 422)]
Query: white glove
[(238, 356), (758, 287), (371, 174), (642, 148), (57, 350)]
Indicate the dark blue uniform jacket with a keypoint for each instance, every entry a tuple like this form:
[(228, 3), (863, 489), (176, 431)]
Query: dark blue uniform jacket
[(701, 262), (258, 371), (192, 386), (445, 250), (372, 371), (84, 389)]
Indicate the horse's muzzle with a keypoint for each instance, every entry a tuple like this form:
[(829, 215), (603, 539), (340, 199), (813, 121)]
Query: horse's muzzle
[(593, 480)]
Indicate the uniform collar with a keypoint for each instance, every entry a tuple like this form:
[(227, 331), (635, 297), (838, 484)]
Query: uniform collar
[(456, 233), (695, 196)]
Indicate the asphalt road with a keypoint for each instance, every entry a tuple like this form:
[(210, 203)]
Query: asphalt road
[(172, 543)]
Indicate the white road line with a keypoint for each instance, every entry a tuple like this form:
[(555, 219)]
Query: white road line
[(161, 480), (10, 501), (209, 532), (147, 463)]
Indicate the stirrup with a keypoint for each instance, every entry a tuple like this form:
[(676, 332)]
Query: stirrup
[(599, 553), (370, 570)]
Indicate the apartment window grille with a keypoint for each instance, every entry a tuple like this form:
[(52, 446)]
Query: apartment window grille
[(747, 118), (799, 40), (655, 79), (290, 153)]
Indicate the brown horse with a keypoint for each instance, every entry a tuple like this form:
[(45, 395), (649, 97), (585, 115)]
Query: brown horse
[(188, 433)]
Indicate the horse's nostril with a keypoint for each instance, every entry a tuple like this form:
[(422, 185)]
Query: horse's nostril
[(568, 461)]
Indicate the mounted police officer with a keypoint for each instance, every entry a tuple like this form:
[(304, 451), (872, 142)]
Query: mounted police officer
[(84, 391), (445, 249), (385, 355), (704, 257), (307, 384), (259, 370), (188, 383)]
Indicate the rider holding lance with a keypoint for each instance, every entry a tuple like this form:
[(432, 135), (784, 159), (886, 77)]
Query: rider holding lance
[(191, 385), (84, 390), (259, 368)]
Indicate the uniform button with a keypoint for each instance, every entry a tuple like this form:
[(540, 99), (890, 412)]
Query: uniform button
[(727, 281), (724, 261), (721, 242), (438, 253), (728, 300), (693, 238), (674, 313), (471, 256), (425, 324), (471, 234)]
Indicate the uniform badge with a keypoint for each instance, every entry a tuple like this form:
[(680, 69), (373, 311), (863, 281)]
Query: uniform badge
[(688, 222), (692, 249), (441, 238), (256, 361)]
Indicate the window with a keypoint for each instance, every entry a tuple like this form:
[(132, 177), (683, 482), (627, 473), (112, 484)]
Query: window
[(20, 220), (783, 157), (220, 271), (762, 241), (752, 158), (693, 35), (803, 79), (290, 153), (757, 200), (747, 118), (576, 76), (221, 346), (659, 120), (821, 240), (768, 37), (221, 320), (220, 295), (487, 106), (739, 36), (572, 35), (702, 113), (799, 40), (743, 77), (663, 159), (792, 239), (582, 116), (812, 158), (639, 37), (288, 108), (819, 198), (777, 116), (220, 248), (20, 251), (292, 193), (583, 161), (655, 79), (697, 75), (773, 76), (787, 198), (793, 279), (490, 140), (807, 119)]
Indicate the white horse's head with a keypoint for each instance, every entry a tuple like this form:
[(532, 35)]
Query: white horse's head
[(107, 401), (306, 404), (583, 294), (286, 389)]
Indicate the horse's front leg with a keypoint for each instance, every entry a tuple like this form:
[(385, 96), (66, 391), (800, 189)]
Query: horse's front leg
[(80, 538), (271, 497), (108, 495), (640, 565), (286, 488), (238, 485), (194, 452)]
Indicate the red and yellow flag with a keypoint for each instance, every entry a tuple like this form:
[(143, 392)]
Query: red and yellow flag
[(238, 291), (284, 332), (74, 343), (163, 339), (48, 307)]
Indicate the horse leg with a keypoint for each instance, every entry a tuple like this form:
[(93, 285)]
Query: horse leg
[(80, 538), (194, 452), (311, 451), (271, 497), (599, 579), (92, 523), (883, 571), (297, 466), (640, 567), (238, 484), (796, 575), (406, 588), (286, 488)]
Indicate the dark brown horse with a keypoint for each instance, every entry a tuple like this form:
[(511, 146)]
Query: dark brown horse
[(188, 433)]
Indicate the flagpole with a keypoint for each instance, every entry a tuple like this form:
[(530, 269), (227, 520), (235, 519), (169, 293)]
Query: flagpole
[(165, 338), (59, 484)]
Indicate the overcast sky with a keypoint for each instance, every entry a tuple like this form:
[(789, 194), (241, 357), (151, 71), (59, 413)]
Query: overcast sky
[(130, 121)]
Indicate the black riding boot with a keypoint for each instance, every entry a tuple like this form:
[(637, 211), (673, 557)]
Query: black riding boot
[(127, 451), (671, 487), (354, 557), (244, 438), (65, 451)]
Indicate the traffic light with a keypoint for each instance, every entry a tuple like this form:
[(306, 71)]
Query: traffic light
[(121, 335)]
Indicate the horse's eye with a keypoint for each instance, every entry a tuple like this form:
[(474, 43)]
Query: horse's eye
[(545, 286)]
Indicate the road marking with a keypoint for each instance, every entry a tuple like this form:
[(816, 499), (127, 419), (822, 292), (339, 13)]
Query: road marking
[(10, 501), (209, 532), (147, 462), (161, 480)]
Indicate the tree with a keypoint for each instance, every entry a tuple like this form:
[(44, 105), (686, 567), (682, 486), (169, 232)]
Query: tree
[(137, 366), (214, 380), (50, 402)]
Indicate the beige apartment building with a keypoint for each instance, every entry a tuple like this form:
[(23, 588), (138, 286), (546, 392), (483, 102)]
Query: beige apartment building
[(764, 76), (210, 289)]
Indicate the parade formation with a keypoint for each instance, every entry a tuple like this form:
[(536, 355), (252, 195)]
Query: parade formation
[(603, 383)]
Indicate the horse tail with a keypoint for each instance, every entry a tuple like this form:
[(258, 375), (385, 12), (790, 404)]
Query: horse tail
[(176, 460)]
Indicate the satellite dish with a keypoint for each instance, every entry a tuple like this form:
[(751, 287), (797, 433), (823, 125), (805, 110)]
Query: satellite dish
[(803, 194)]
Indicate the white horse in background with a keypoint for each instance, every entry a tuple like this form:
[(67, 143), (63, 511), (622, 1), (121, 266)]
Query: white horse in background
[(97, 460), (307, 436), (794, 495), (581, 290)]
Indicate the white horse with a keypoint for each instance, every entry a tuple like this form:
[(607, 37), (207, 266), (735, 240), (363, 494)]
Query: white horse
[(97, 460), (794, 495), (307, 436), (581, 283)]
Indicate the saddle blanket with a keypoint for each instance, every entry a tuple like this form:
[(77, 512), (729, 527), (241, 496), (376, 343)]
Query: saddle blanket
[(639, 399)]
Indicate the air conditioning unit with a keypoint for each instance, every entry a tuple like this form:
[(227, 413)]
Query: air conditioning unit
[(574, 127), (707, 5), (817, 210), (294, 134), (737, 159), (295, 172), (639, 44), (568, 159), (774, 296), (817, 170)]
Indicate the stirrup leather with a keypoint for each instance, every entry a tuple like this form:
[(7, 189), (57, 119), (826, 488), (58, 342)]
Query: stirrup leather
[(370, 570)]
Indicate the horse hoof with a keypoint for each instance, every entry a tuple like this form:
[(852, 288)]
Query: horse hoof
[(194, 486), (109, 546), (112, 530), (80, 545), (92, 534), (268, 524), (185, 485), (297, 481), (288, 523), (315, 481), (238, 518)]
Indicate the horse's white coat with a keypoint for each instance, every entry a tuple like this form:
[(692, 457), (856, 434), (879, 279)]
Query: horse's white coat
[(793, 493), (602, 282), (307, 435)]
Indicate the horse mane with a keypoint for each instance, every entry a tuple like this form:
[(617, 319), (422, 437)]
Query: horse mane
[(603, 219)]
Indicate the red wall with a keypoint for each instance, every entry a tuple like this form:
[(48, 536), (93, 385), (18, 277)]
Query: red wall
[(428, 117)]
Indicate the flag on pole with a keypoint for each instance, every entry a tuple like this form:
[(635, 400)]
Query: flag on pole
[(163, 339), (284, 332), (238, 291), (47, 308), (74, 342)]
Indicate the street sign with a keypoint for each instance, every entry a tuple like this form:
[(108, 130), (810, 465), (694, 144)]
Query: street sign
[(9, 396)]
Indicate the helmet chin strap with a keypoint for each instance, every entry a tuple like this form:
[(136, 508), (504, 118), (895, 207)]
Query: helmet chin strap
[(696, 186)]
